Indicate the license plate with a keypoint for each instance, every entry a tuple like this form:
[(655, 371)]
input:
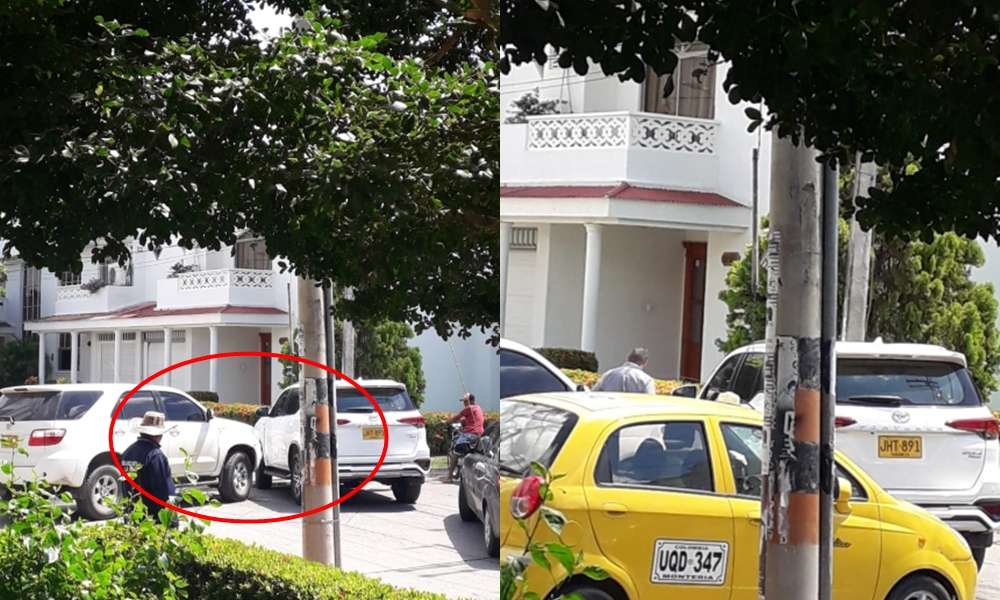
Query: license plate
[(9, 441), (900, 446), (371, 433), (689, 562)]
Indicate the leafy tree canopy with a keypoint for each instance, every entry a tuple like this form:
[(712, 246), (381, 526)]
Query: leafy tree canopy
[(375, 171), (920, 292), (911, 84)]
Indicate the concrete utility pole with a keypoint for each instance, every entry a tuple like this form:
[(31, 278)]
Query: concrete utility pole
[(790, 500), (859, 261), (317, 530), (350, 340)]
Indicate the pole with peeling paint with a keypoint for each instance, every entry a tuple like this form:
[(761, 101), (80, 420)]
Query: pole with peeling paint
[(790, 502)]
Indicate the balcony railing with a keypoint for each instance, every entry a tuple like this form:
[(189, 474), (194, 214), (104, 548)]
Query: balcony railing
[(218, 287), (223, 278), (622, 130)]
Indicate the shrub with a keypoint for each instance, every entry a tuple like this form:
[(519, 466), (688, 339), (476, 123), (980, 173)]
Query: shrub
[(438, 434), (381, 351), (18, 362), (204, 397), (567, 358), (589, 379), (244, 413), (231, 569)]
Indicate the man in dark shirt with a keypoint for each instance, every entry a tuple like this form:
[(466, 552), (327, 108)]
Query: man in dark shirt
[(152, 465)]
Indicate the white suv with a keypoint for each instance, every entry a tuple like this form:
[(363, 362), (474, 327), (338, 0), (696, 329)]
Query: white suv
[(911, 416), (359, 439), (64, 429)]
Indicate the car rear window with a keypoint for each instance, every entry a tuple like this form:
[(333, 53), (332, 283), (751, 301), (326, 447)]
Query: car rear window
[(531, 433), (388, 399), (47, 406), (880, 382)]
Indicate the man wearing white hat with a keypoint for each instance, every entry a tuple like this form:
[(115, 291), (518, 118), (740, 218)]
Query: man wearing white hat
[(146, 456)]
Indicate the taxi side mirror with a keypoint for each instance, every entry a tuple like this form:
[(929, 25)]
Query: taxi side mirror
[(688, 390), (842, 495)]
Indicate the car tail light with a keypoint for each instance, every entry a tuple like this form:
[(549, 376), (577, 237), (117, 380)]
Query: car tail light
[(343, 421), (844, 422), (992, 508), (417, 422), (987, 427), (46, 437), (526, 497)]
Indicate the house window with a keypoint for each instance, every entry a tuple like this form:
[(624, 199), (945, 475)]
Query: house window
[(70, 278), (251, 253), (694, 90), (65, 352), (156, 337), (32, 294)]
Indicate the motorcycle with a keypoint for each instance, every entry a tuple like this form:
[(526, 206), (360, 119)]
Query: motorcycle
[(461, 445)]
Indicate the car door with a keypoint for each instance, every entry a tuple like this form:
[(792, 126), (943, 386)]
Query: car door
[(189, 430), (267, 430), (129, 418), (478, 469), (857, 542), (520, 374), (286, 428), (722, 379), (656, 513)]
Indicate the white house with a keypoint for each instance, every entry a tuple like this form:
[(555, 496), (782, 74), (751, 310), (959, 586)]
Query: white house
[(233, 299), (620, 215)]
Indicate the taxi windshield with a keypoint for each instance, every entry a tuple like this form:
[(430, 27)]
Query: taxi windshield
[(531, 433)]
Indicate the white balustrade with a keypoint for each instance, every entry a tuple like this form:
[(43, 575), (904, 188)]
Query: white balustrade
[(622, 130), (225, 278)]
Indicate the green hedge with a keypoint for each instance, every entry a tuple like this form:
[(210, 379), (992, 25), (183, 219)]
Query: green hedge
[(438, 434), (204, 397), (231, 569), (567, 358)]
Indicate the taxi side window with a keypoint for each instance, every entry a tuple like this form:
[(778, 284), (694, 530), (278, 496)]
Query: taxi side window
[(722, 379), (670, 455)]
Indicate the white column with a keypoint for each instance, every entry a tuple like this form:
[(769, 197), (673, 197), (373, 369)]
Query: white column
[(41, 357), (74, 356), (167, 353), (506, 229), (117, 372), (591, 287), (213, 365), (138, 357)]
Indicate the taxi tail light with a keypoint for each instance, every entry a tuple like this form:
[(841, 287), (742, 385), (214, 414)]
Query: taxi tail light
[(844, 422), (418, 422), (987, 428), (46, 437), (526, 498)]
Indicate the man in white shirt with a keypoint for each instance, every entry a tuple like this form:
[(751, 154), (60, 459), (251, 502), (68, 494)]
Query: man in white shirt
[(631, 377)]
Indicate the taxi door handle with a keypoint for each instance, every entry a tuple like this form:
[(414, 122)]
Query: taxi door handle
[(613, 509)]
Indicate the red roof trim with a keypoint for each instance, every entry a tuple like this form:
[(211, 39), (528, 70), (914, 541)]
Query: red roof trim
[(622, 191), (148, 310)]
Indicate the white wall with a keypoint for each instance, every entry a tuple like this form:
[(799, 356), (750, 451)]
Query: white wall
[(527, 291), (239, 378), (564, 305), (474, 358), (715, 309)]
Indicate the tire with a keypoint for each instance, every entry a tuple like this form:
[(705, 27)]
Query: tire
[(295, 476), (237, 478), (980, 555), (490, 537), (101, 482), (588, 592), (406, 491), (263, 480), (920, 588), (464, 510)]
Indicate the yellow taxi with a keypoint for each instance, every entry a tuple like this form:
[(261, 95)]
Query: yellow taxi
[(663, 494)]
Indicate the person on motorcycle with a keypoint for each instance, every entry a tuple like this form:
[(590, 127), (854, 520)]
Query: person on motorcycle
[(472, 419)]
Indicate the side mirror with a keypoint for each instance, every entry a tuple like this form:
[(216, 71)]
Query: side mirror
[(689, 390), (263, 411), (582, 388), (843, 494), (209, 414)]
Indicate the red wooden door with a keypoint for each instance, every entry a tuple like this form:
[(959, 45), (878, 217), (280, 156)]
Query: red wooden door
[(265, 370), (694, 309)]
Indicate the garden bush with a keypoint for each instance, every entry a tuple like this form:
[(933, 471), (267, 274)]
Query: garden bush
[(438, 434), (244, 413), (567, 358), (589, 378), (205, 397)]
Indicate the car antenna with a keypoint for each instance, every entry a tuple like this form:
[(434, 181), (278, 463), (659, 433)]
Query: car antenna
[(454, 358)]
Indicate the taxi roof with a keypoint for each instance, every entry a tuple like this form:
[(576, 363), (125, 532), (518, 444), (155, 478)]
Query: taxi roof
[(610, 406)]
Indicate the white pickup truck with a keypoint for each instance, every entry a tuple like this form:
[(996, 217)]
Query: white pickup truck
[(64, 429)]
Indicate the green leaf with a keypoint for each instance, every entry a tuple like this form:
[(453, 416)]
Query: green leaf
[(538, 555), (596, 573), (563, 554), (140, 32), (753, 113)]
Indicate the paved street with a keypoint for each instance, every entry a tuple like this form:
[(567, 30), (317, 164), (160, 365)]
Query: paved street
[(989, 577), (426, 546)]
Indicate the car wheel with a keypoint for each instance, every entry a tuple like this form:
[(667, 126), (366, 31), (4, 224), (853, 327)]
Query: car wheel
[(980, 555), (920, 588), (464, 510), (99, 489), (236, 478), (406, 491), (587, 592), (491, 537), (295, 477), (263, 480)]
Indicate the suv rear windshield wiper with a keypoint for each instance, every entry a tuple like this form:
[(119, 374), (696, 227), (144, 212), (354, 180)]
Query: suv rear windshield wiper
[(873, 400)]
